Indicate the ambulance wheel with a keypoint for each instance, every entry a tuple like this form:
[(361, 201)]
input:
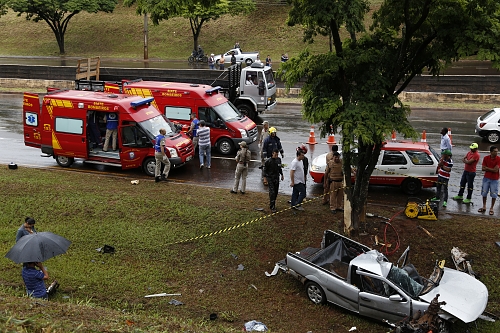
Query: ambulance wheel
[(64, 161), (411, 186), (225, 146), (149, 166)]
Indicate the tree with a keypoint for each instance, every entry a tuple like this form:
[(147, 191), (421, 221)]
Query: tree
[(197, 11), (3, 7), (356, 86), (58, 13)]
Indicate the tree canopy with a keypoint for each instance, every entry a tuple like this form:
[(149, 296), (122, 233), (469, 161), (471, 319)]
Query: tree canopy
[(197, 11), (355, 87), (58, 13)]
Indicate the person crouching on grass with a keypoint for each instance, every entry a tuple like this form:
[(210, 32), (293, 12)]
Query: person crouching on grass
[(444, 169), (34, 280)]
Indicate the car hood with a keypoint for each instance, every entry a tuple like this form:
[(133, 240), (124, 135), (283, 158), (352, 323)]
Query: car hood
[(465, 296)]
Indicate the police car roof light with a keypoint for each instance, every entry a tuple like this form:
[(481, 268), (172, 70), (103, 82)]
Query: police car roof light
[(213, 90), (142, 101)]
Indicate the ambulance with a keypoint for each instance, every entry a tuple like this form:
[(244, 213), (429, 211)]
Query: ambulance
[(69, 125), (228, 127)]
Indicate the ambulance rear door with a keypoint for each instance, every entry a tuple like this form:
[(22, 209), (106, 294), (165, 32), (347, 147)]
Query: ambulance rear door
[(32, 120)]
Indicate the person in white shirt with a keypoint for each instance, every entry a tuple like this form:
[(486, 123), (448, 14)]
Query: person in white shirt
[(297, 181)]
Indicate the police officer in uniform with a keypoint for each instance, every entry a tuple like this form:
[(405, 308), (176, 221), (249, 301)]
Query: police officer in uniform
[(333, 182), (326, 189), (242, 158), (272, 172), (161, 157)]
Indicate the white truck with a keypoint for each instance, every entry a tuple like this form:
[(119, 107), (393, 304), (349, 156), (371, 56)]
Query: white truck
[(357, 278), (247, 57)]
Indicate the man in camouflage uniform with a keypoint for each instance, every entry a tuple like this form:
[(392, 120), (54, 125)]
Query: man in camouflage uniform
[(333, 182), (272, 172), (326, 189)]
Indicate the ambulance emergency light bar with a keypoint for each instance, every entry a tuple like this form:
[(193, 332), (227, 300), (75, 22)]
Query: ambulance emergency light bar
[(213, 90), (142, 101)]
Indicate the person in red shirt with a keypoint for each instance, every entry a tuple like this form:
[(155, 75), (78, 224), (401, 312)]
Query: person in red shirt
[(469, 174), (491, 165)]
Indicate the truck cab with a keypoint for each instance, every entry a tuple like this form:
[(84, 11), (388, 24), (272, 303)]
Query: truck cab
[(69, 125), (177, 101), (252, 89)]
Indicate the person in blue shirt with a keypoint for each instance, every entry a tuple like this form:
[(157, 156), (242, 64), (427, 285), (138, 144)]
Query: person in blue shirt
[(34, 279), (161, 156), (111, 130), (27, 228), (193, 130)]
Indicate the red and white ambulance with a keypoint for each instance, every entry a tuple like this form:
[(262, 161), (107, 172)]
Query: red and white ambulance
[(177, 101), (69, 125)]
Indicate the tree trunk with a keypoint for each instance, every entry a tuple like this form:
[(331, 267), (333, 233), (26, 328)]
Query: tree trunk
[(60, 41)]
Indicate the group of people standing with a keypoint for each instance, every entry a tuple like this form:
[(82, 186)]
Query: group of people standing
[(490, 166)]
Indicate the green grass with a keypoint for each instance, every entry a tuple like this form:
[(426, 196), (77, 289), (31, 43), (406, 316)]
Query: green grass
[(148, 225)]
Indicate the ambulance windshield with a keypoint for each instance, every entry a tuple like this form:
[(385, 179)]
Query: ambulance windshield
[(152, 126), (227, 112)]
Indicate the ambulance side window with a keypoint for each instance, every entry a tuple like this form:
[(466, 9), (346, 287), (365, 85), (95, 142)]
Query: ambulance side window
[(132, 136), (177, 113), (69, 125)]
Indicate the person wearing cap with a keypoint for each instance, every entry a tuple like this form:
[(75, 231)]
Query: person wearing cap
[(211, 61), (445, 140), (333, 185), (28, 227), (444, 169), (469, 174), (161, 157), (249, 81), (490, 166), (204, 145), (193, 130), (242, 159), (272, 171)]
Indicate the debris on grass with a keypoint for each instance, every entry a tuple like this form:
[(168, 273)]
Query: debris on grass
[(255, 326)]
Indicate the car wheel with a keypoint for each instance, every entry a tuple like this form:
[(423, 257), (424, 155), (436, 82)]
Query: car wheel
[(149, 166), (64, 161), (248, 62), (225, 146), (411, 186), (493, 137), (191, 59), (247, 110), (315, 293)]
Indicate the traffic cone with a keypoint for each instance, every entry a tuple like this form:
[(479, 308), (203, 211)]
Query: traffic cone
[(393, 138), (424, 137), (331, 137), (312, 138), (449, 134)]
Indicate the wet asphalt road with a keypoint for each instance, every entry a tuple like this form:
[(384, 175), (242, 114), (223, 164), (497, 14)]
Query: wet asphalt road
[(292, 130)]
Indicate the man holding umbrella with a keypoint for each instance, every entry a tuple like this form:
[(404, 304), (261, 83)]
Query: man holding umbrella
[(34, 279)]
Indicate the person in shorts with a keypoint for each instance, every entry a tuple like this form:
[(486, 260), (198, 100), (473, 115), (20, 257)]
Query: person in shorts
[(490, 166)]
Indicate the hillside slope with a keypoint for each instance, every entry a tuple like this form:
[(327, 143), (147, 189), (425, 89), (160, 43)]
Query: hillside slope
[(120, 35)]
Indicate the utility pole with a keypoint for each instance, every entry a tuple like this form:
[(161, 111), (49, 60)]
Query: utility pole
[(146, 36)]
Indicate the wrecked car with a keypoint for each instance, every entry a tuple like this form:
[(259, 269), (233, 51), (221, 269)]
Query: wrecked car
[(355, 277)]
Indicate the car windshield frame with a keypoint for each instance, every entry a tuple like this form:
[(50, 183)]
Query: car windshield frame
[(153, 125), (269, 78), (435, 153), (227, 112)]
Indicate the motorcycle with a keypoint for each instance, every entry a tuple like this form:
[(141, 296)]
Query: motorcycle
[(195, 57)]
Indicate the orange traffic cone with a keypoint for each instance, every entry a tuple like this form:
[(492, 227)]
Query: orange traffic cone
[(331, 137), (312, 138), (393, 138), (424, 137), (449, 134)]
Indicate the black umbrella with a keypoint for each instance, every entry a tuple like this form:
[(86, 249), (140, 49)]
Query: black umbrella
[(38, 247)]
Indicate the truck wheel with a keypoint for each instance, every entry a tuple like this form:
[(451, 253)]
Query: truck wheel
[(315, 293), (149, 166), (248, 62), (493, 137), (225, 146), (64, 161), (411, 186), (191, 59), (247, 110)]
